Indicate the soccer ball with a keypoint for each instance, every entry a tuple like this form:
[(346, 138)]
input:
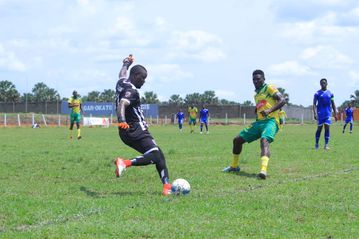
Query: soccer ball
[(180, 186)]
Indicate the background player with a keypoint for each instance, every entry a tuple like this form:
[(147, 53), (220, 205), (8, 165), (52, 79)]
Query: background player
[(180, 118), (192, 111), (75, 117), (133, 129), (203, 116), (349, 118), (322, 103), (268, 103)]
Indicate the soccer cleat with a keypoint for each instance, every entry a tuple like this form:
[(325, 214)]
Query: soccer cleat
[(120, 167), (262, 175), (167, 189), (201, 132), (79, 137), (326, 147), (316, 147), (230, 169)]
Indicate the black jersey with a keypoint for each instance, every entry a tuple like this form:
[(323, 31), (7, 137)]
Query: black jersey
[(133, 113)]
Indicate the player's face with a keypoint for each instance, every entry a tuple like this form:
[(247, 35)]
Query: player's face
[(139, 79), (323, 84), (258, 81)]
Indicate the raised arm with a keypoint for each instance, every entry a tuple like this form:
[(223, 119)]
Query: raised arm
[(126, 64)]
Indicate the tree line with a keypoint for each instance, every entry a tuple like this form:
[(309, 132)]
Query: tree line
[(42, 93)]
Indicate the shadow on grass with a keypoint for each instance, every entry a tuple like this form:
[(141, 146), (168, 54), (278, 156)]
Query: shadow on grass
[(245, 174), (94, 194)]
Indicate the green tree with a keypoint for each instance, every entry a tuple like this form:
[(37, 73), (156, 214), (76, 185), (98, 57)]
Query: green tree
[(209, 97), (194, 98), (8, 92), (149, 98), (107, 95), (176, 99), (92, 96), (42, 93), (27, 97), (284, 94), (355, 98), (247, 103)]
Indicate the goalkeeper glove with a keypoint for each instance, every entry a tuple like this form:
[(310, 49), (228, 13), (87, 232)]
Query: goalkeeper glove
[(123, 125)]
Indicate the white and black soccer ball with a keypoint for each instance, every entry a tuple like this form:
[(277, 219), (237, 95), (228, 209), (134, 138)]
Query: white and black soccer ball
[(180, 186)]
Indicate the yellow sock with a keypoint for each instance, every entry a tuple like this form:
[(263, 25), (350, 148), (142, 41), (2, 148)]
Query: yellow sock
[(264, 163), (78, 133), (235, 161)]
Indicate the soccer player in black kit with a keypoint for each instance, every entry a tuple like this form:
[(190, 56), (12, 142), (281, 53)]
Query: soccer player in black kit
[(133, 129)]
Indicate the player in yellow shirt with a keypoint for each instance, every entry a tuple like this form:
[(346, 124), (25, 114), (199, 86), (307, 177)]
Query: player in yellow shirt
[(192, 111), (269, 102), (75, 104)]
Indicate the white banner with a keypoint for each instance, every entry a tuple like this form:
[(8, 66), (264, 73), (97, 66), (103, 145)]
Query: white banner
[(93, 121)]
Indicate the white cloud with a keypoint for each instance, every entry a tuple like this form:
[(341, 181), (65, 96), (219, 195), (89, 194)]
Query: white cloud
[(354, 79), (326, 57), (167, 73), (9, 61), (290, 68), (199, 45)]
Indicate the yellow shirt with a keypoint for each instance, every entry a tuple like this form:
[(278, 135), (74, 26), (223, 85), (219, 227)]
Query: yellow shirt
[(76, 104), (192, 112), (264, 100)]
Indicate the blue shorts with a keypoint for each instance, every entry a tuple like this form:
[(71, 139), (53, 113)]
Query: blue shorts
[(349, 120), (322, 121), (203, 121)]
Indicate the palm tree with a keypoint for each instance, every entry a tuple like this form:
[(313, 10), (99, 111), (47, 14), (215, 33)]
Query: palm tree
[(355, 98)]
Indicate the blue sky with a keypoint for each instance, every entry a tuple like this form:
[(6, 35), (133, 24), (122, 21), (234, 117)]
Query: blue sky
[(186, 46)]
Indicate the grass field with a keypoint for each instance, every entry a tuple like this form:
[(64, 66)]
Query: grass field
[(53, 187)]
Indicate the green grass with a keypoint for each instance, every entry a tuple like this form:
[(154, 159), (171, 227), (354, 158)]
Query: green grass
[(53, 187)]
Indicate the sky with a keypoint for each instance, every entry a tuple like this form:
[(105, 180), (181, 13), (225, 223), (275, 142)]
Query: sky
[(187, 46)]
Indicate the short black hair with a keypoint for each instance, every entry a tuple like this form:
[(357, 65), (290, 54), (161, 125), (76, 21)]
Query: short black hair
[(258, 72), (323, 79), (137, 68)]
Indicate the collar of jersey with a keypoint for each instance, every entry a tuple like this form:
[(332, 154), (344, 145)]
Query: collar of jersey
[(259, 90)]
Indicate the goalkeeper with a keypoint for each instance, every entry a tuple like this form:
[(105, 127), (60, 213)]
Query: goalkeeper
[(75, 104)]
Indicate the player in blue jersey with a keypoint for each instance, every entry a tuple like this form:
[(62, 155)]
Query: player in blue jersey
[(323, 103), (180, 118), (349, 118), (203, 114)]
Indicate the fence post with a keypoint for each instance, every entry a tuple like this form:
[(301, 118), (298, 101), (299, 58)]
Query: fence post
[(33, 119), (111, 119), (302, 119), (165, 119), (43, 118), (18, 120), (157, 119), (59, 121), (226, 119), (244, 118), (5, 120)]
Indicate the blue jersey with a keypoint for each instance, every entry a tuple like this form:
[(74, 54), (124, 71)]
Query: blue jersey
[(349, 113), (203, 114), (180, 116), (323, 101)]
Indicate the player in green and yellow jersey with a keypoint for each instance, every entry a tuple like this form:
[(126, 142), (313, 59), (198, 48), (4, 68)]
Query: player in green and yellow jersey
[(269, 102), (192, 111), (75, 104)]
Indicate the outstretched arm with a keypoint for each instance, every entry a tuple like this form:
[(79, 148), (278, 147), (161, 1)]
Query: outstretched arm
[(126, 64), (280, 103)]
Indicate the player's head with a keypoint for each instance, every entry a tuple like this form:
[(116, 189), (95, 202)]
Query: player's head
[(192, 106), (203, 106), (323, 83), (349, 104), (138, 75), (258, 78), (75, 94)]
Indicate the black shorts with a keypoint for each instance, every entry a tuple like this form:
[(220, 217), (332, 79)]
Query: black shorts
[(138, 138)]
